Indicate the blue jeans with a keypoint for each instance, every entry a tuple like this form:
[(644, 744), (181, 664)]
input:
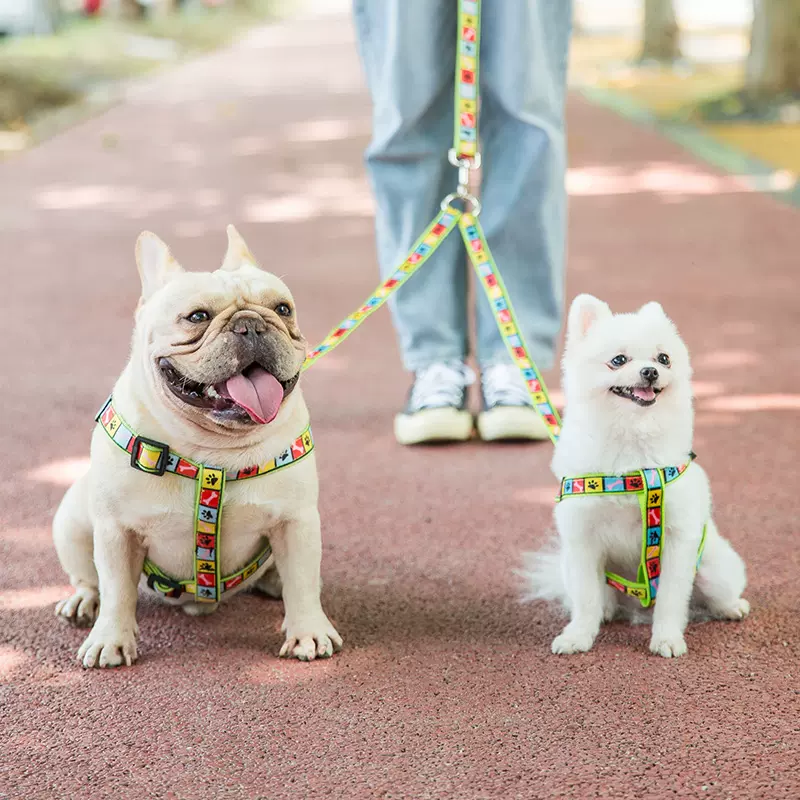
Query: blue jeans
[(408, 51)]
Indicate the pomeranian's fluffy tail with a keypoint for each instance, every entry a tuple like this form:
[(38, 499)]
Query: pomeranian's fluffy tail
[(542, 576)]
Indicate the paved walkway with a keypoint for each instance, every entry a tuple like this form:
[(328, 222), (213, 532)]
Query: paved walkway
[(446, 687)]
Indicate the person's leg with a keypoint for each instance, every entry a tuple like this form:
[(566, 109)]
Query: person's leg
[(408, 51), (523, 75)]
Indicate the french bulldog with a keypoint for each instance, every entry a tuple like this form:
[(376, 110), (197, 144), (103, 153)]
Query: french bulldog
[(214, 373)]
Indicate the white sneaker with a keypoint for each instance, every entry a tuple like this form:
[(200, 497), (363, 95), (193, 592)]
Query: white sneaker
[(437, 406), (508, 411)]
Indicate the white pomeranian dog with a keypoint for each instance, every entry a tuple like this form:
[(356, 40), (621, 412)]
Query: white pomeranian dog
[(628, 424)]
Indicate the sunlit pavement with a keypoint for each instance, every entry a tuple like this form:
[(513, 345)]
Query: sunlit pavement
[(446, 686)]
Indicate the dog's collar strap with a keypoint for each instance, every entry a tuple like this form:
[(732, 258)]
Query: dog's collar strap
[(649, 486), (156, 458)]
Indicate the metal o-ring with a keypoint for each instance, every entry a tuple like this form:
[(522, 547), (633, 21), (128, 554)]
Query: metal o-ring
[(467, 198)]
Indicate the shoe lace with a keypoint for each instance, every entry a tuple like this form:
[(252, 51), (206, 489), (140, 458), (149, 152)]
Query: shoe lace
[(440, 385), (503, 385)]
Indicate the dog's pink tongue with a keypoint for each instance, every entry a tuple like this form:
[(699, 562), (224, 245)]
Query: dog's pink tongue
[(258, 392), (644, 392)]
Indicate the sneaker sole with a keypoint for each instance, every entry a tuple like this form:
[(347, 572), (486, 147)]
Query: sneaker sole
[(511, 423), (433, 425)]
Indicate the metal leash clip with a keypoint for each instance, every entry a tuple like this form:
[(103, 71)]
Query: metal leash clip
[(462, 192)]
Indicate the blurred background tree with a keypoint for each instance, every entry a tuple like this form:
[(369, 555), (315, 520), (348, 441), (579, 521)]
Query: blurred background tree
[(773, 65), (660, 32)]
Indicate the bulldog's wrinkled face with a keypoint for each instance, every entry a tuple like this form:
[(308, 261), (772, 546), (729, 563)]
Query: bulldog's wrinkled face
[(224, 346)]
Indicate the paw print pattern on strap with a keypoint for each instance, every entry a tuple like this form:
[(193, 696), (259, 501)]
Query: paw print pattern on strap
[(157, 459), (649, 486)]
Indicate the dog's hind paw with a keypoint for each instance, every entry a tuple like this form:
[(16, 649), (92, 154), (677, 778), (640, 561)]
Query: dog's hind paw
[(270, 584), (668, 646), (199, 609), (739, 609), (80, 608)]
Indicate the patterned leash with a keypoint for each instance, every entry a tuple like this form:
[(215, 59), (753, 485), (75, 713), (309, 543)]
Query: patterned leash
[(466, 157)]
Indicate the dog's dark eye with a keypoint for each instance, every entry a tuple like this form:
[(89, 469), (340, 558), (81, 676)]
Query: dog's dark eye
[(284, 309), (663, 358), (618, 361), (199, 316)]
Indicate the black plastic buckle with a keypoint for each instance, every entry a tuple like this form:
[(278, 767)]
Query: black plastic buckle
[(175, 586), (163, 459)]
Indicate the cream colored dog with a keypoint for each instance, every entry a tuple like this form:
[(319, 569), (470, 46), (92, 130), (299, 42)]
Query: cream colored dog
[(213, 373)]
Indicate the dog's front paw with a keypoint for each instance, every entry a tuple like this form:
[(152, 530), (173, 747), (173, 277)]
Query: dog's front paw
[(668, 645), (109, 645), (79, 608), (310, 639), (572, 641)]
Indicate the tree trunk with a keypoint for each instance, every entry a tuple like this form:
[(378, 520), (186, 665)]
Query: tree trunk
[(134, 9), (773, 65), (661, 36), (124, 9)]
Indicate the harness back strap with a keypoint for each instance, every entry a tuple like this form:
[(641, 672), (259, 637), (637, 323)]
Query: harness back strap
[(156, 458), (649, 486)]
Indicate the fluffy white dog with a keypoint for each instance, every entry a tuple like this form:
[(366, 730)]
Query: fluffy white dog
[(627, 382)]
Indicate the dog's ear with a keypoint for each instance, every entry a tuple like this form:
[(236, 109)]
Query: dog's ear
[(238, 252), (583, 313), (155, 263), (653, 309)]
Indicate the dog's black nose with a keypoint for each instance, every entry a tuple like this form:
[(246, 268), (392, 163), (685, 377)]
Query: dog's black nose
[(248, 326), (650, 374)]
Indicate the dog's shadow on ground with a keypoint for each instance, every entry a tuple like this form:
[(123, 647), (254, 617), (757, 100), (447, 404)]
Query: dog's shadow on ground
[(389, 614), (387, 617), (380, 616)]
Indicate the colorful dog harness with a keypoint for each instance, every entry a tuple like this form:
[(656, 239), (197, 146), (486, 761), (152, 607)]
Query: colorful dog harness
[(156, 458), (649, 486)]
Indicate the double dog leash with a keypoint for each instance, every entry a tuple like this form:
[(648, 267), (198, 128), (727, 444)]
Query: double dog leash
[(156, 458), (465, 155)]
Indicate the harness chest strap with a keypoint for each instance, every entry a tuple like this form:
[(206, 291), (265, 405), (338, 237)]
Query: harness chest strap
[(649, 486), (156, 458)]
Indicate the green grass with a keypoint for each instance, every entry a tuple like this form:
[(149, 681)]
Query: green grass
[(39, 74)]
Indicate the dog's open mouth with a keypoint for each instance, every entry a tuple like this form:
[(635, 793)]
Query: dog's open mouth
[(641, 395), (253, 394)]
